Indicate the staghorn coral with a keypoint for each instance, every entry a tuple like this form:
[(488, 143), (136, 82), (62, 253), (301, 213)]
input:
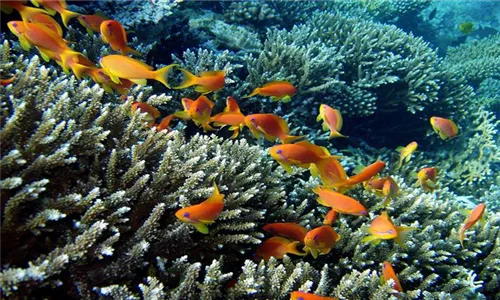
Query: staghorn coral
[(476, 60), (96, 192), (252, 12)]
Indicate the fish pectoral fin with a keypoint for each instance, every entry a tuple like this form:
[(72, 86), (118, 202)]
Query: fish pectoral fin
[(114, 79), (325, 127), (24, 44), (319, 118), (275, 99), (286, 99), (287, 168), (371, 239), (201, 227)]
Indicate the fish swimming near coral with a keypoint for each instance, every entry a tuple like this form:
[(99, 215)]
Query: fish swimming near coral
[(330, 217), (383, 187), (92, 23), (298, 295), (165, 123), (231, 116), (198, 111), (49, 22), (271, 126), (466, 27), (199, 215), (113, 33), (278, 247), (382, 228), (60, 6), (332, 120), (474, 215), (320, 240), (405, 153), (388, 273), (301, 154), (364, 175), (152, 112), (277, 90), (6, 82), (206, 82), (292, 231), (446, 128), (427, 178), (340, 203), (27, 13), (120, 66)]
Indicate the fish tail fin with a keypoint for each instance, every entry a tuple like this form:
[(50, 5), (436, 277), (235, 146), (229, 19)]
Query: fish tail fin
[(81, 70), (288, 139), (236, 131), (336, 134), (188, 80), (255, 92), (292, 248), (206, 127), (67, 57), (402, 234), (161, 75), (129, 50), (67, 15)]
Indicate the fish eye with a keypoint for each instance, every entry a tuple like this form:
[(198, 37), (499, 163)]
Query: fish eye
[(14, 24), (279, 151), (186, 215), (109, 25)]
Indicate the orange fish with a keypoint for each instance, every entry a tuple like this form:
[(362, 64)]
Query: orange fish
[(271, 127), (6, 82), (405, 153), (143, 107), (119, 66), (27, 13), (446, 128), (330, 217), (288, 230), (382, 228), (53, 6), (427, 178), (330, 171), (298, 295), (388, 273), (301, 154), (384, 187), (113, 33), (320, 240), (231, 116), (277, 247), (198, 110), (92, 23), (165, 123), (204, 213), (277, 90), (332, 120), (49, 22), (103, 79), (365, 174), (207, 82), (339, 202), (474, 215)]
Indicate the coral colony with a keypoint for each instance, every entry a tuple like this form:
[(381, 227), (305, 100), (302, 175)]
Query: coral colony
[(249, 150)]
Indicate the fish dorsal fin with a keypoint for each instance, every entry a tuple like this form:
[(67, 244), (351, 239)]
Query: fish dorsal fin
[(186, 103), (232, 105), (205, 99), (385, 215), (212, 73)]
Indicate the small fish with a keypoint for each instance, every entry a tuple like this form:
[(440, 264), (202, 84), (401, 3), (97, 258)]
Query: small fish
[(329, 170), (288, 230), (432, 13), (405, 153), (198, 110), (320, 240), (382, 228), (278, 247), (49, 22), (113, 33), (104, 80), (388, 273), (277, 90), (446, 128), (231, 116), (271, 127), (383, 187), (207, 82), (92, 23), (339, 202), (120, 66), (301, 154), (466, 27), (298, 295), (6, 82), (143, 107), (427, 178), (53, 6), (27, 13), (199, 215), (165, 123), (474, 215), (364, 175), (332, 120), (330, 217)]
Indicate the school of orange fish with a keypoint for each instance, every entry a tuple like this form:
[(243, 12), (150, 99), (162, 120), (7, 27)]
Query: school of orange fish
[(117, 73)]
